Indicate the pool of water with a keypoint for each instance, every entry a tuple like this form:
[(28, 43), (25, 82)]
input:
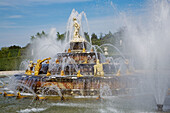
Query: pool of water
[(115, 104)]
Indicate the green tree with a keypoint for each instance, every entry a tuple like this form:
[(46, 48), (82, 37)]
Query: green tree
[(33, 38), (43, 33), (19, 52), (87, 36), (95, 40), (9, 54), (94, 36), (14, 47), (4, 52), (60, 36), (38, 35)]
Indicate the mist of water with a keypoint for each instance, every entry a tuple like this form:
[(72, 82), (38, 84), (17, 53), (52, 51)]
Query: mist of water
[(147, 39), (46, 46)]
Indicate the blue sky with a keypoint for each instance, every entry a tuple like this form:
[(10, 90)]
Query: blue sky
[(20, 19)]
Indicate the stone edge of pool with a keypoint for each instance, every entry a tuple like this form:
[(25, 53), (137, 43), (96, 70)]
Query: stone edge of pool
[(2, 73)]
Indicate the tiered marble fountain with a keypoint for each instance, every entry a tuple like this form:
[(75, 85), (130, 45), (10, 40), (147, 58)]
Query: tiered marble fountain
[(76, 72)]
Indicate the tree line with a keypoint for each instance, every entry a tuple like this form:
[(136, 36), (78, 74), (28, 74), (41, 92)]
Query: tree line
[(112, 38)]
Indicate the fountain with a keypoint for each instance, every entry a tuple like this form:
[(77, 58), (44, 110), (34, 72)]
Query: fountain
[(78, 70)]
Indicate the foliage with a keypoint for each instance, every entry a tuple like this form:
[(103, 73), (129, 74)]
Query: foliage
[(11, 51), (9, 54), (60, 36), (95, 40), (11, 57), (19, 53), (14, 47), (87, 36), (12, 63), (39, 35)]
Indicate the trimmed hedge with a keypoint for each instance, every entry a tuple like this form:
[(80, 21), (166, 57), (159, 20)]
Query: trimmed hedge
[(12, 63)]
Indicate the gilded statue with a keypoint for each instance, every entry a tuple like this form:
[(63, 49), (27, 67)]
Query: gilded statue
[(39, 65), (76, 28), (29, 71), (98, 69)]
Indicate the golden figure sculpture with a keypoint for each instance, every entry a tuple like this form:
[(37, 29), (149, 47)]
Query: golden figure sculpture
[(98, 69), (69, 50), (19, 96), (85, 61), (29, 71), (79, 74), (38, 66), (48, 73), (92, 50), (76, 28), (62, 73), (31, 65), (47, 62), (40, 97), (57, 61), (76, 35), (84, 50), (8, 95)]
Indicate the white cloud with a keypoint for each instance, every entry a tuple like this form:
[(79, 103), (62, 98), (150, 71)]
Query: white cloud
[(15, 16)]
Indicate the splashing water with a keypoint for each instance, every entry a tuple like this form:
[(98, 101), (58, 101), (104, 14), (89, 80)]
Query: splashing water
[(24, 64), (147, 39), (70, 27), (46, 46), (53, 88)]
